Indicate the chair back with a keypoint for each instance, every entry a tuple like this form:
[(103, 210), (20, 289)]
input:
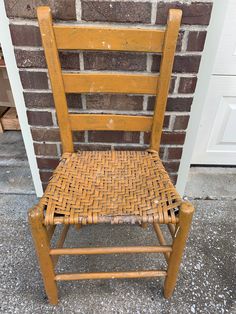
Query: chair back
[(72, 37)]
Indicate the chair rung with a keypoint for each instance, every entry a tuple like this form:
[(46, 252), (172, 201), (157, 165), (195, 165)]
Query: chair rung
[(112, 275), (111, 250)]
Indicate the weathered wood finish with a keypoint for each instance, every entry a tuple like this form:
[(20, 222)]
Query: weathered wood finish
[(54, 70), (181, 235), (108, 38), (171, 228), (161, 239), (86, 37), (171, 36), (110, 83), (42, 246), (60, 242), (112, 250), (112, 275), (81, 122), (56, 37)]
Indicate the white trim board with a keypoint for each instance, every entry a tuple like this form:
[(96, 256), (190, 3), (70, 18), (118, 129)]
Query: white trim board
[(17, 91), (205, 71)]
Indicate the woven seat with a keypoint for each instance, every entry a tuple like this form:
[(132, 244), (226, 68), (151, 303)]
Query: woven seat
[(110, 186)]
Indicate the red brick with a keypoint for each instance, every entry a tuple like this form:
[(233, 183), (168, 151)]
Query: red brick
[(44, 186), (156, 62), (38, 100), (52, 135), (47, 163), (171, 166), (45, 100), (45, 176), (193, 13), (30, 59), (182, 64), (186, 64), (179, 104), (180, 40), (25, 35), (74, 101), (39, 118), (45, 134), (27, 8), (91, 146), (181, 122), (78, 136), (114, 61), (170, 138), (196, 40), (113, 137), (187, 85), (128, 147), (174, 152), (114, 102), (166, 121), (69, 60), (36, 59), (173, 103), (34, 80), (121, 12), (173, 177), (45, 149)]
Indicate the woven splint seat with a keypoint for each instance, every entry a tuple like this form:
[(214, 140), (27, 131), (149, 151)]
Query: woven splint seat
[(110, 186)]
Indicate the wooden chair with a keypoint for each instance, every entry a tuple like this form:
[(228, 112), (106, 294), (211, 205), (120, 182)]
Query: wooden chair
[(91, 187)]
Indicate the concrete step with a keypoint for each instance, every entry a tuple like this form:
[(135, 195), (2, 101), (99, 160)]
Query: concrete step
[(211, 183), (12, 149), (16, 180)]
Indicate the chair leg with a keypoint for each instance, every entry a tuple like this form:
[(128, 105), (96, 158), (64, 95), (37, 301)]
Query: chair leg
[(179, 242), (42, 246), (144, 225)]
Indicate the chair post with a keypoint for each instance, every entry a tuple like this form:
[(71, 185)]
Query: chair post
[(42, 246), (179, 242)]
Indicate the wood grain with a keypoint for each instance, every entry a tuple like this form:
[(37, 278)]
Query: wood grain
[(171, 36), (55, 74), (108, 38), (111, 250), (112, 275), (110, 83), (81, 122)]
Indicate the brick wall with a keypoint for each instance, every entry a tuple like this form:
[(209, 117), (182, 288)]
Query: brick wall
[(38, 97)]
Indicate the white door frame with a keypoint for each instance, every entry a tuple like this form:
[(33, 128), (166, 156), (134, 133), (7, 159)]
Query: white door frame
[(17, 91), (204, 75)]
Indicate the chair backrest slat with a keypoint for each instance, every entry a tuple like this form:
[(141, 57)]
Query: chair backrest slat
[(82, 122), (108, 38), (110, 83), (82, 37)]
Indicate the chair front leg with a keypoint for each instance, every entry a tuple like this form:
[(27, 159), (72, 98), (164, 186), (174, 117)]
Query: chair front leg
[(179, 242), (42, 246)]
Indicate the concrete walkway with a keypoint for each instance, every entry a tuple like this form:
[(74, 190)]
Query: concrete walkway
[(207, 279), (206, 283)]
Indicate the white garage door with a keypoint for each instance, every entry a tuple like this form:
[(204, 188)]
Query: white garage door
[(216, 139)]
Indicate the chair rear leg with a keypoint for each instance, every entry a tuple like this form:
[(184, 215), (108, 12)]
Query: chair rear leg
[(179, 242), (42, 246), (144, 225)]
